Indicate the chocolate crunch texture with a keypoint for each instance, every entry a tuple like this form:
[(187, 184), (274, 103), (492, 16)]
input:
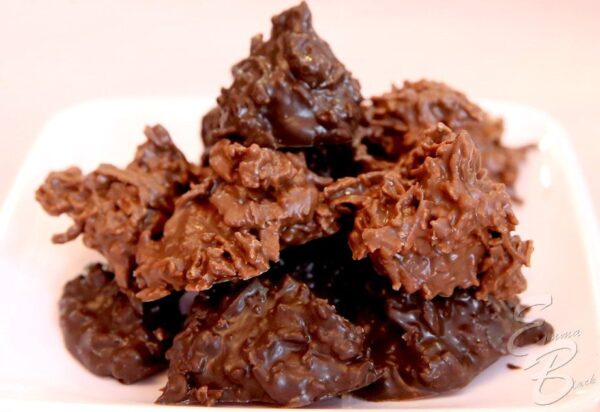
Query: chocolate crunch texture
[(333, 245)]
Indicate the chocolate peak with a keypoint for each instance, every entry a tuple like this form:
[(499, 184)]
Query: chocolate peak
[(290, 92)]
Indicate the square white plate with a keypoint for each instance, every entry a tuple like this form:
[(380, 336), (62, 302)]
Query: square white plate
[(37, 372)]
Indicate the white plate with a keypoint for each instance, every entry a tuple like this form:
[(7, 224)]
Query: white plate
[(36, 371)]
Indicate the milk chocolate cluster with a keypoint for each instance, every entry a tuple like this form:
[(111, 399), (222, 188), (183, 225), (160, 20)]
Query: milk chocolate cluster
[(331, 245), (435, 221)]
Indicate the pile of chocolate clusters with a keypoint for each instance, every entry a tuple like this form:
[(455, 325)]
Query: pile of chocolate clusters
[(323, 245)]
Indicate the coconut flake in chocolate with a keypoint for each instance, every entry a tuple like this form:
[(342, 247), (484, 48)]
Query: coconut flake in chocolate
[(421, 347), (427, 213), (112, 207), (437, 224), (250, 203), (429, 347), (396, 121)]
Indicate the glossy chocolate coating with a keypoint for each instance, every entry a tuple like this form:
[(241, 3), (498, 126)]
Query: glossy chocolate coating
[(430, 347), (112, 334), (427, 213), (421, 347), (274, 342), (290, 92)]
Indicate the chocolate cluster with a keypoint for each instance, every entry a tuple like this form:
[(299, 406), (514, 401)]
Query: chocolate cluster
[(272, 342), (435, 221), (113, 208), (330, 245), (113, 334), (395, 122), (290, 92)]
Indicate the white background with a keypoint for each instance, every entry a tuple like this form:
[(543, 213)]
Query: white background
[(54, 54)]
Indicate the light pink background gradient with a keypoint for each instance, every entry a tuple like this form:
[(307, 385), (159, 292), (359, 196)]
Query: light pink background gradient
[(54, 54)]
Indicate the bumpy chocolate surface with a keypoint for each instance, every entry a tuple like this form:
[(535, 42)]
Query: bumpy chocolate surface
[(439, 223), (421, 347), (273, 343), (250, 203), (290, 92), (428, 212), (112, 335), (395, 122), (112, 207), (428, 347)]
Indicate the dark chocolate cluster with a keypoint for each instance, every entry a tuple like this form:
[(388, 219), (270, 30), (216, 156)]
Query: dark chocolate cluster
[(113, 334), (290, 92), (272, 342), (331, 246)]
